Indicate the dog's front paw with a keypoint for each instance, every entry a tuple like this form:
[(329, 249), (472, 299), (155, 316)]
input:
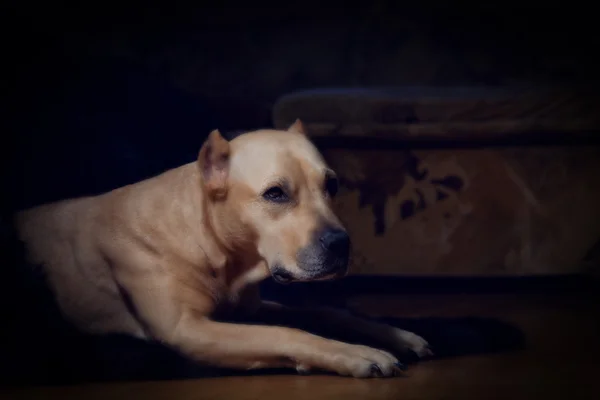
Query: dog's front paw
[(359, 362), (404, 341)]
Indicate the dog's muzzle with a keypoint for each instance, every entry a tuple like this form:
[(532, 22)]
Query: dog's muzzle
[(326, 257)]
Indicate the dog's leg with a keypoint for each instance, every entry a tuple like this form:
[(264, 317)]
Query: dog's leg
[(179, 318), (342, 325), (253, 347)]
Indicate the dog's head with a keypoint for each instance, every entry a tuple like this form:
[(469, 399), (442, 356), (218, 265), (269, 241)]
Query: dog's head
[(269, 196)]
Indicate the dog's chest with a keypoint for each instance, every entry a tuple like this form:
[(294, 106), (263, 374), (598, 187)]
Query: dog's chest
[(233, 303)]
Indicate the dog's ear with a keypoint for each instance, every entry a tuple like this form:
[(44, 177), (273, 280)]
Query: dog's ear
[(213, 160), (297, 127)]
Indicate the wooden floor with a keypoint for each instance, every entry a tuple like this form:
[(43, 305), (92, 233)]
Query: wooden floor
[(562, 360)]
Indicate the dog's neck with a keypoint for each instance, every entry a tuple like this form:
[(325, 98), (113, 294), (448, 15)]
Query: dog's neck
[(225, 257), (242, 263)]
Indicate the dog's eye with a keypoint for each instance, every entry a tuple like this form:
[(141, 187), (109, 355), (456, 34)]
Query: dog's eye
[(331, 186), (276, 195)]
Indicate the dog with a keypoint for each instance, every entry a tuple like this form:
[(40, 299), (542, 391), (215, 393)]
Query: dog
[(177, 257)]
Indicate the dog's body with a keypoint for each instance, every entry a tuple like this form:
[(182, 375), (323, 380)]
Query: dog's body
[(169, 257)]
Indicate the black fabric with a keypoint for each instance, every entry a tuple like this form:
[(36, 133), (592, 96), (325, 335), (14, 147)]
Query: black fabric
[(455, 337), (39, 348), (73, 358)]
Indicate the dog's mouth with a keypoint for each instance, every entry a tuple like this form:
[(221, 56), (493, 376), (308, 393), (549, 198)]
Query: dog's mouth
[(281, 275)]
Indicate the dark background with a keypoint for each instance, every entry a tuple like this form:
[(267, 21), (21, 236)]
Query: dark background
[(100, 95)]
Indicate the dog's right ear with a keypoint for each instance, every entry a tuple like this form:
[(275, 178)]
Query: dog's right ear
[(213, 161), (297, 127)]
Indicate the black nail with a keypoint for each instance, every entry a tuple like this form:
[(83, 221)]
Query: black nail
[(431, 353), (400, 366), (375, 370)]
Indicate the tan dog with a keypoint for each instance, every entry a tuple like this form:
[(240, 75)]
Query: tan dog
[(169, 257)]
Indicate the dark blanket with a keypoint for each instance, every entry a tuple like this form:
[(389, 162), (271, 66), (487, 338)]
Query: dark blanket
[(39, 347), (39, 358)]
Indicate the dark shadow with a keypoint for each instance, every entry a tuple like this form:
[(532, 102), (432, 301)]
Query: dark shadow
[(39, 348)]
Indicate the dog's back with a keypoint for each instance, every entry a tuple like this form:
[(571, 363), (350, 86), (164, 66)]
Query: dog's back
[(49, 228)]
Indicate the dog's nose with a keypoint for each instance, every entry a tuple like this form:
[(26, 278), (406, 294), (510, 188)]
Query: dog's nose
[(337, 242)]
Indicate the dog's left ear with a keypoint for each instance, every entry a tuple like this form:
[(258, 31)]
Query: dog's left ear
[(297, 127), (213, 160)]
